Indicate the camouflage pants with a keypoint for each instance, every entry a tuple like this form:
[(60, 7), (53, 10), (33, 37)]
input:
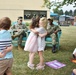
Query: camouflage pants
[(20, 35), (53, 36)]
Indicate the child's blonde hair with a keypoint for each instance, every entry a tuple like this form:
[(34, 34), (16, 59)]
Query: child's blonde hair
[(44, 21)]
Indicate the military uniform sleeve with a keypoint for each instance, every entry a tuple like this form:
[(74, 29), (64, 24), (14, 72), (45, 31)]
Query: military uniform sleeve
[(50, 30), (58, 28), (12, 27), (25, 27)]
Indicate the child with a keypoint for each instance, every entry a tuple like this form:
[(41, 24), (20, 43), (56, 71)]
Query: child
[(6, 56), (31, 44), (41, 41), (74, 72)]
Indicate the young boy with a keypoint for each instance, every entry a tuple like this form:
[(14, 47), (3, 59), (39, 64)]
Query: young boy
[(6, 56)]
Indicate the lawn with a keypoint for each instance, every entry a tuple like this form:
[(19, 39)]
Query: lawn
[(67, 45)]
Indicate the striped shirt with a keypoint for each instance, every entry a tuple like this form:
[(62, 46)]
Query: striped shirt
[(5, 41)]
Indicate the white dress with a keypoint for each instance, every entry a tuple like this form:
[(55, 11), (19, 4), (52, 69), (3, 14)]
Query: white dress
[(41, 40), (31, 44)]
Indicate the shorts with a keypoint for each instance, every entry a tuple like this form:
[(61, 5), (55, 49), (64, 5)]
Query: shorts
[(5, 65)]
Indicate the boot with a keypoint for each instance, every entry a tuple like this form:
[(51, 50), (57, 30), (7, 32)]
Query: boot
[(19, 47), (54, 49)]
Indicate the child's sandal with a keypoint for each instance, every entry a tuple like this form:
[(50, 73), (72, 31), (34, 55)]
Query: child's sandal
[(40, 67), (31, 66)]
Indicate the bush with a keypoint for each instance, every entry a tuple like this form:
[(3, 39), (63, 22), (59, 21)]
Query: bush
[(27, 24)]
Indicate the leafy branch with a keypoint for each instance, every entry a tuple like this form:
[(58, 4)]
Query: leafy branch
[(51, 4)]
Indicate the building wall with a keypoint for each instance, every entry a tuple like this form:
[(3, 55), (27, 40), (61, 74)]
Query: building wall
[(15, 8)]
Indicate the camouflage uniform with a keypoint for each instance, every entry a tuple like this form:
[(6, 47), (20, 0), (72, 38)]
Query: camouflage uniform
[(51, 29), (19, 32)]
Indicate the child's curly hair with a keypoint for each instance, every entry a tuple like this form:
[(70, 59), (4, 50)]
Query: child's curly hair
[(5, 23)]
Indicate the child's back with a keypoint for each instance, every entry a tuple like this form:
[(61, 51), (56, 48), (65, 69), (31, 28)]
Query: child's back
[(5, 41), (6, 56)]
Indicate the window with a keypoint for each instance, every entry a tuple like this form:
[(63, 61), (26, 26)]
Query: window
[(42, 14), (28, 14)]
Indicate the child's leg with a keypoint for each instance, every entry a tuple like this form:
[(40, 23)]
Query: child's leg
[(41, 64), (8, 72), (4, 65), (41, 58), (31, 57), (30, 63), (4, 74)]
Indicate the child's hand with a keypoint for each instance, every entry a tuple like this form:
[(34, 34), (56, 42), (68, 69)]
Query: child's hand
[(4, 51), (35, 32), (41, 35), (2, 54)]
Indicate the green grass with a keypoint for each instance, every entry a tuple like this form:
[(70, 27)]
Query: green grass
[(67, 45)]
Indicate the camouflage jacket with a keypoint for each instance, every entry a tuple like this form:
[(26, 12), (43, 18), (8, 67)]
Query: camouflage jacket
[(21, 26), (52, 28)]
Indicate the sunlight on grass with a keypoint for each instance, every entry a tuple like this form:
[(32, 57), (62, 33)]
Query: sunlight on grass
[(67, 45)]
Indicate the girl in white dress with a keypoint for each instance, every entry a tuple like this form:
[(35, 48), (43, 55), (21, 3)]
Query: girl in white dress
[(31, 44)]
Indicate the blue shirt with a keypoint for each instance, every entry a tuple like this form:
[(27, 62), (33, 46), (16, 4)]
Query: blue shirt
[(5, 41)]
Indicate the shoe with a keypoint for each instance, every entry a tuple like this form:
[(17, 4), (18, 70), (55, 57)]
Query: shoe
[(40, 67), (31, 66), (39, 64)]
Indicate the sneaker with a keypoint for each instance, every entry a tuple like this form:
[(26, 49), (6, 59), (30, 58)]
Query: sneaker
[(31, 66), (40, 67)]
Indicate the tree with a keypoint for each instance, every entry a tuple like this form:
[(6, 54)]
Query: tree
[(66, 12), (59, 4), (70, 12), (75, 12), (61, 12), (49, 4), (67, 2), (56, 10)]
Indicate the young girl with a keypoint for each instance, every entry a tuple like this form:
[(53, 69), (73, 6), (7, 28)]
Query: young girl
[(41, 41), (6, 56), (31, 44)]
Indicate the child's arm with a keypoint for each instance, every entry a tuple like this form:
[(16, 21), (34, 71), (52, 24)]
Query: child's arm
[(2, 54), (8, 49), (43, 35), (33, 30)]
